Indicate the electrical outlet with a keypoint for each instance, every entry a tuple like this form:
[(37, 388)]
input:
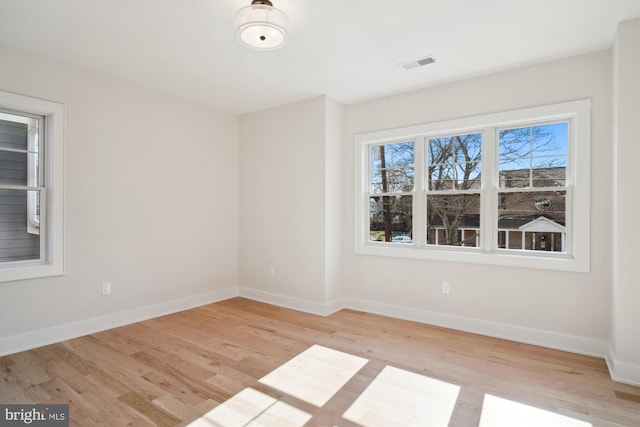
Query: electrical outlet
[(446, 288), (106, 288)]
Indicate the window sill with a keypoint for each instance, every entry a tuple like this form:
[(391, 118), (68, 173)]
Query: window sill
[(30, 270), (557, 262)]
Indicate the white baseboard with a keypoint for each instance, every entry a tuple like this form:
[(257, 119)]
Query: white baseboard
[(622, 372), (293, 303), (571, 343), (335, 306), (29, 340)]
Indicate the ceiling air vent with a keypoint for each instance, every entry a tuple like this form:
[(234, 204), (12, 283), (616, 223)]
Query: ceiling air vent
[(421, 62)]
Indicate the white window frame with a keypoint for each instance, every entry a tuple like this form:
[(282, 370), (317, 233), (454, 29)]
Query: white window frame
[(578, 115), (34, 175), (51, 262)]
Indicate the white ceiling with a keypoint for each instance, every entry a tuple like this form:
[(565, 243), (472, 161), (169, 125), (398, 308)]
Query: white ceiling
[(346, 49)]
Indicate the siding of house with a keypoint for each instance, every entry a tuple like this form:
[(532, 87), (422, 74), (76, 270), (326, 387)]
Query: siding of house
[(15, 243)]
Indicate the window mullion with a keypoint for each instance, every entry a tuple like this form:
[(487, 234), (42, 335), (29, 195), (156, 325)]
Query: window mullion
[(569, 223), (419, 208), (489, 190), (20, 187), (365, 207), (531, 189)]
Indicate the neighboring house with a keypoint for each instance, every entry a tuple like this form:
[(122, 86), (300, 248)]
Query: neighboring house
[(529, 221)]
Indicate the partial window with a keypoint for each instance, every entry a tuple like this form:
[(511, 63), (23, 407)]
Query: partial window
[(20, 187), (31, 187)]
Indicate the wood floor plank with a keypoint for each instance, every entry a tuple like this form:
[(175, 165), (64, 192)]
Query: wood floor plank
[(29, 368), (173, 369), (83, 413), (184, 410), (153, 413), (188, 382)]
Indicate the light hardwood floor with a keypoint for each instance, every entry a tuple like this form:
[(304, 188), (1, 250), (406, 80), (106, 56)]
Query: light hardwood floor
[(171, 370)]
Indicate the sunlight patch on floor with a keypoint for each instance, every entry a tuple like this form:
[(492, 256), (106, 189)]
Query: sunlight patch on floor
[(255, 409), (315, 375), (498, 412), (396, 397), (402, 398)]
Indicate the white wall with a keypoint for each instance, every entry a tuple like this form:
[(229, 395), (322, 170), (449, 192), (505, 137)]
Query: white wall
[(558, 309), (282, 204), (291, 205), (151, 206), (624, 362), (334, 205)]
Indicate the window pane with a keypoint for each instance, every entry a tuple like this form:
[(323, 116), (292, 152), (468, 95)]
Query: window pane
[(515, 164), (550, 139), (392, 168), (390, 218), (453, 220), (533, 156), (19, 232), (514, 173), (457, 176), (454, 162), (455, 149), (392, 180), (442, 177), (13, 135), (549, 171), (376, 180), (13, 168), (19, 146), (533, 220)]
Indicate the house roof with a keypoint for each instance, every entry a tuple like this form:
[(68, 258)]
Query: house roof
[(529, 223), (347, 49), (534, 223), (542, 225)]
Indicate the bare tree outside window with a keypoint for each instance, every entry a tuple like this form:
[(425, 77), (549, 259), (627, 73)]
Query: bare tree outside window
[(529, 158), (525, 153), (391, 202), (454, 181)]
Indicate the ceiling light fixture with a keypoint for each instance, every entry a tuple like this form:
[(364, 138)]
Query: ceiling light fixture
[(261, 26)]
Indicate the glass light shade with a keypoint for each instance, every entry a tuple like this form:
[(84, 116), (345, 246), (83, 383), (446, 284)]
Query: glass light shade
[(261, 27)]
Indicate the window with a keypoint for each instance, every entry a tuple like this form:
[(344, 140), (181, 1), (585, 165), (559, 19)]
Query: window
[(31, 187), (501, 189), (532, 177), (453, 189), (390, 197)]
